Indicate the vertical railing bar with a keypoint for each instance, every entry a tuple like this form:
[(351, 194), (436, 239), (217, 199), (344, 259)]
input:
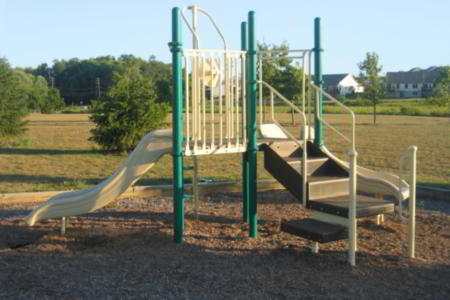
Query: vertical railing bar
[(261, 108), (244, 97), (304, 164), (220, 101), (233, 93), (199, 101), (194, 100), (303, 85), (237, 98), (186, 108), (203, 101), (211, 95), (271, 105), (228, 99), (309, 95)]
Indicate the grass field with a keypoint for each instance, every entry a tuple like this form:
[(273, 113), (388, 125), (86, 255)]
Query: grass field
[(55, 153)]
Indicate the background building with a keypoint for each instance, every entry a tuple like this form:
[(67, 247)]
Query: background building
[(415, 83), (341, 85)]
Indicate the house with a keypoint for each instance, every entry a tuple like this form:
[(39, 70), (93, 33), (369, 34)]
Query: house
[(415, 83), (341, 85)]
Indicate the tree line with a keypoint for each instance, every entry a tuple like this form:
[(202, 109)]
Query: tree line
[(81, 81)]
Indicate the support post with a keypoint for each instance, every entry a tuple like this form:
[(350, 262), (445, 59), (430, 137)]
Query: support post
[(177, 123), (352, 234), (318, 82), (64, 225), (412, 203), (252, 147), (245, 162)]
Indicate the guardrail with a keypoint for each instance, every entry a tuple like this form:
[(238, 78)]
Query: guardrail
[(214, 91), (335, 101), (305, 57)]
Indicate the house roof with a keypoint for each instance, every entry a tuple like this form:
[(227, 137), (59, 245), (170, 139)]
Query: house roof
[(414, 76), (332, 79)]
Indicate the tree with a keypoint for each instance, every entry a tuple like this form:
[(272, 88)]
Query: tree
[(281, 74), (12, 102), (441, 92), (51, 102), (373, 83), (127, 112)]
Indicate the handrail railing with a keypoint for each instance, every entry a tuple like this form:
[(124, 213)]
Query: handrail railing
[(305, 56), (194, 9), (290, 135), (214, 91), (332, 99)]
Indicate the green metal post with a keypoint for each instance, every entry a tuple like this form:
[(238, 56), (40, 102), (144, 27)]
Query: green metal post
[(318, 81), (252, 147), (177, 130), (245, 164)]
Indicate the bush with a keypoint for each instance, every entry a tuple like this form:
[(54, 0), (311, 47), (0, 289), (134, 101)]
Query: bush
[(357, 102), (410, 111), (12, 103), (127, 112)]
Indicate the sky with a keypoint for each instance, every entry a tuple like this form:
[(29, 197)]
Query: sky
[(405, 34)]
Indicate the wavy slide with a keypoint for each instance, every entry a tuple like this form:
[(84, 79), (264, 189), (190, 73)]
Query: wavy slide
[(149, 150), (370, 181)]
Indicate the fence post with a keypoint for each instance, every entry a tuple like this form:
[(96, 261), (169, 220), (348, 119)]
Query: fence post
[(352, 234), (412, 203)]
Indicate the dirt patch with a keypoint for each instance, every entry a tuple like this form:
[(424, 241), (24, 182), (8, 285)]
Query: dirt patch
[(126, 251)]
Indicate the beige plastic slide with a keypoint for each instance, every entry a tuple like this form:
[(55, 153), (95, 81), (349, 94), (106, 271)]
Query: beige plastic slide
[(368, 181), (149, 150), (374, 182)]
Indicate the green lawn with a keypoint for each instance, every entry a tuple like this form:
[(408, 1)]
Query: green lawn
[(55, 153)]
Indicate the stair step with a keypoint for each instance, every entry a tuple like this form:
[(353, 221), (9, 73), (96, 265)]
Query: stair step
[(338, 206), (315, 230), (313, 164), (322, 187), (292, 149)]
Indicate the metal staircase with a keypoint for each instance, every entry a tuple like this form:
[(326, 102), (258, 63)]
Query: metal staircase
[(327, 190)]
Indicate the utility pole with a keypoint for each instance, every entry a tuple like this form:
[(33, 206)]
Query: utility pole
[(98, 87), (53, 82)]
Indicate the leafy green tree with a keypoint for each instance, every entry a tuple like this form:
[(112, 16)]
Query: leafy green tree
[(12, 102), (39, 91), (273, 64), (51, 102), (280, 73), (441, 92), (372, 81), (127, 112)]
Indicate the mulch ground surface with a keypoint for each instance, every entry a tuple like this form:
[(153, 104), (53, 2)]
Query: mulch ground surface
[(126, 251)]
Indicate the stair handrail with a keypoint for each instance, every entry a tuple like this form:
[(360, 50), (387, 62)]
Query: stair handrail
[(332, 99), (290, 135)]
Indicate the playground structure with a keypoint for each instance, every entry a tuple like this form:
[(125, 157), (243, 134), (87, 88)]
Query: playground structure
[(215, 111)]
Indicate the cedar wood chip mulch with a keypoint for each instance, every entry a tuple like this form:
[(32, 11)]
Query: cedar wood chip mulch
[(126, 251)]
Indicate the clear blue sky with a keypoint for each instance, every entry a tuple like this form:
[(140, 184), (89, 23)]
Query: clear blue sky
[(405, 34)]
